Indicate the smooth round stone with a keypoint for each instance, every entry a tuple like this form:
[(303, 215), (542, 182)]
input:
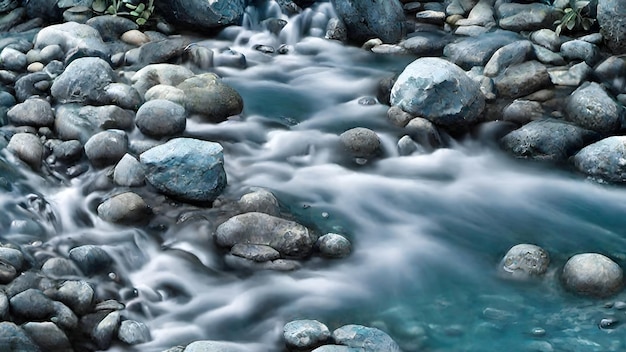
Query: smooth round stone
[(77, 295), (161, 118), (133, 332), (12, 59), (129, 172), (525, 260), (90, 259), (135, 37), (406, 146), (17, 337), (6, 99), (608, 323), (47, 336), (398, 117), (4, 306), (256, 252), (50, 53), (333, 245), (591, 107), (32, 112), (358, 336), (107, 147), (104, 332), (12, 256), (59, 267), (35, 67), (67, 150), (361, 143), (162, 91), (28, 148), (208, 97), (424, 133), (305, 334), (32, 304), (122, 95), (7, 272), (261, 201), (592, 274), (124, 208), (64, 317)]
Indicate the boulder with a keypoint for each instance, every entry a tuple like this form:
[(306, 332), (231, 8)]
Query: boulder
[(202, 15), (367, 19), (186, 168), (611, 17), (287, 237), (305, 334), (439, 91), (522, 79), (592, 274), (83, 81), (592, 108), (69, 36), (161, 118), (365, 338), (604, 159), (524, 261), (547, 139), (210, 99)]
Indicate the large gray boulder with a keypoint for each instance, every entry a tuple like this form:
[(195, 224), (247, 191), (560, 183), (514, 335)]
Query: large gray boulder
[(439, 91), (287, 237), (522, 79), (612, 20), (200, 14), (83, 81), (367, 19), (547, 139), (604, 159), (186, 168), (592, 108), (70, 35), (592, 274)]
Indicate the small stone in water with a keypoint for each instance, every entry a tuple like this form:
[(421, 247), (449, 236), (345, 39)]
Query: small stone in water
[(334, 246), (367, 101), (538, 332), (133, 332), (608, 323), (619, 305), (305, 334)]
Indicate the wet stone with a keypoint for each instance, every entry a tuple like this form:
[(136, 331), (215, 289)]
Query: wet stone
[(59, 267), (361, 143), (12, 256), (11, 59), (592, 108), (333, 245), (4, 306), (28, 148), (32, 112), (129, 172), (305, 334), (208, 346), (106, 147), (7, 272), (358, 336), (523, 261), (124, 208), (18, 341), (608, 323), (90, 259), (48, 336), (160, 118), (261, 201), (109, 305), (106, 329), (592, 274), (32, 304), (522, 111), (133, 332), (77, 295), (67, 150), (256, 252)]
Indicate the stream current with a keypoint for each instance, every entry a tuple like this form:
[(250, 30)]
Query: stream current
[(428, 230)]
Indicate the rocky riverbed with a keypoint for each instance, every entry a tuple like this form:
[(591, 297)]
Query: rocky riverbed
[(312, 175)]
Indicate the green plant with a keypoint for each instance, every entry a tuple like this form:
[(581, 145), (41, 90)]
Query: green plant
[(574, 17), (139, 11)]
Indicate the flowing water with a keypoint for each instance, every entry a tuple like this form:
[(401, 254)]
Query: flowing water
[(428, 230)]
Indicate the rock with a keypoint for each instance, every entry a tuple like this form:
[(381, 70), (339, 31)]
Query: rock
[(186, 168), (261, 201), (32, 112), (406, 146), (161, 91), (604, 159), (426, 43), (110, 27), (106, 147), (70, 35), (202, 15), (577, 50), (129, 172), (524, 261), (125, 208), (28, 86), (612, 73), (398, 117), (573, 76), (59, 267), (207, 97), (470, 52), (522, 111), (366, 338), (336, 30), (64, 317), (335, 348), (508, 55), (104, 332), (79, 122), (15, 339), (158, 51), (547, 139), (432, 17), (83, 81), (135, 37), (12, 60), (66, 150), (481, 14), (90, 259), (28, 148), (122, 95), (161, 118), (7, 272), (50, 53), (213, 346), (32, 304), (526, 17), (287, 237), (522, 79), (547, 38), (361, 143), (592, 274), (47, 336), (305, 334), (439, 91), (255, 252), (4, 308), (592, 108), (132, 332), (367, 19), (611, 17), (166, 74), (332, 245)]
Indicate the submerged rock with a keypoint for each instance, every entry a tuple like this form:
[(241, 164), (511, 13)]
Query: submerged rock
[(367, 19), (592, 274), (361, 143), (605, 159), (524, 261), (440, 92), (186, 168)]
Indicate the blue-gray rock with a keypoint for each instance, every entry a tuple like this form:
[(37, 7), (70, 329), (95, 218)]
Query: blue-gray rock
[(232, 58), (210, 99), (336, 30), (161, 118), (125, 208), (111, 27), (440, 92), (592, 108), (366, 338), (255, 252), (32, 304), (29, 86), (28, 148), (64, 317), (424, 133), (74, 121), (83, 81), (367, 19), (580, 50), (508, 55), (333, 245), (612, 73), (213, 346), (592, 274), (77, 295), (526, 17), (429, 43), (162, 91), (287, 237), (4, 307), (13, 338), (202, 15), (522, 79), (70, 35), (32, 112), (186, 168), (406, 146), (612, 20), (65, 151), (547, 38), (261, 201), (91, 259), (545, 56), (165, 74), (12, 60), (48, 336), (573, 76), (106, 329), (159, 51), (7, 272), (524, 261), (59, 267), (305, 334), (122, 95), (7, 99), (50, 53), (361, 142), (522, 111), (13, 257), (470, 52), (397, 116), (336, 348), (604, 159), (106, 147), (132, 332), (129, 172), (547, 139)]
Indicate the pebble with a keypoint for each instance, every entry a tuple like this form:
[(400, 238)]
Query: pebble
[(134, 37), (106, 147), (28, 148), (333, 245), (124, 208), (129, 172)]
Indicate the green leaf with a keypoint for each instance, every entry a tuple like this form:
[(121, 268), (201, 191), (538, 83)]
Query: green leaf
[(140, 21), (111, 10), (558, 30), (145, 15), (141, 7), (134, 14), (570, 25), (130, 6), (568, 10)]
